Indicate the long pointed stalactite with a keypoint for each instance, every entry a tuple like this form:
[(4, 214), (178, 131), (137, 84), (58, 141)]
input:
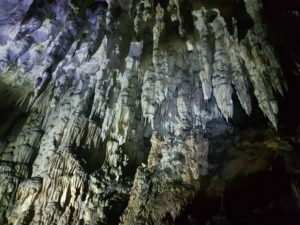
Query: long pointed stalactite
[(120, 108)]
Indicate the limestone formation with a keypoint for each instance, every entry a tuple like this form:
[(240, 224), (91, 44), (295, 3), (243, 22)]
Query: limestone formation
[(117, 115)]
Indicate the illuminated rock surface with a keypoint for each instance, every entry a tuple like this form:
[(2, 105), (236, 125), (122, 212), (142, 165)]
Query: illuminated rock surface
[(127, 112)]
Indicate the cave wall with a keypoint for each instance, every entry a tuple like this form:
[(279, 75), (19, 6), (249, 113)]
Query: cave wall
[(129, 112)]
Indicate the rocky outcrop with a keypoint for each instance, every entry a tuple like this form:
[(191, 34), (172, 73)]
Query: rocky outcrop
[(119, 112)]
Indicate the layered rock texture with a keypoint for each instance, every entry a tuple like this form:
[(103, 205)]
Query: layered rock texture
[(133, 112)]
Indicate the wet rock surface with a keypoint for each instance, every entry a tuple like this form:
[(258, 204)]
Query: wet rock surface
[(144, 112)]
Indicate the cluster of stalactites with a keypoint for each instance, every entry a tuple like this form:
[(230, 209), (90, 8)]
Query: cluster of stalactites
[(225, 66), (228, 65), (233, 65)]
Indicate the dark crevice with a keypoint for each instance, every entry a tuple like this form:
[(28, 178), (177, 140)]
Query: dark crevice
[(90, 158), (250, 200)]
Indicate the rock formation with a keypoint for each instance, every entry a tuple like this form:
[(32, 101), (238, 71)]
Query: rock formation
[(122, 112)]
